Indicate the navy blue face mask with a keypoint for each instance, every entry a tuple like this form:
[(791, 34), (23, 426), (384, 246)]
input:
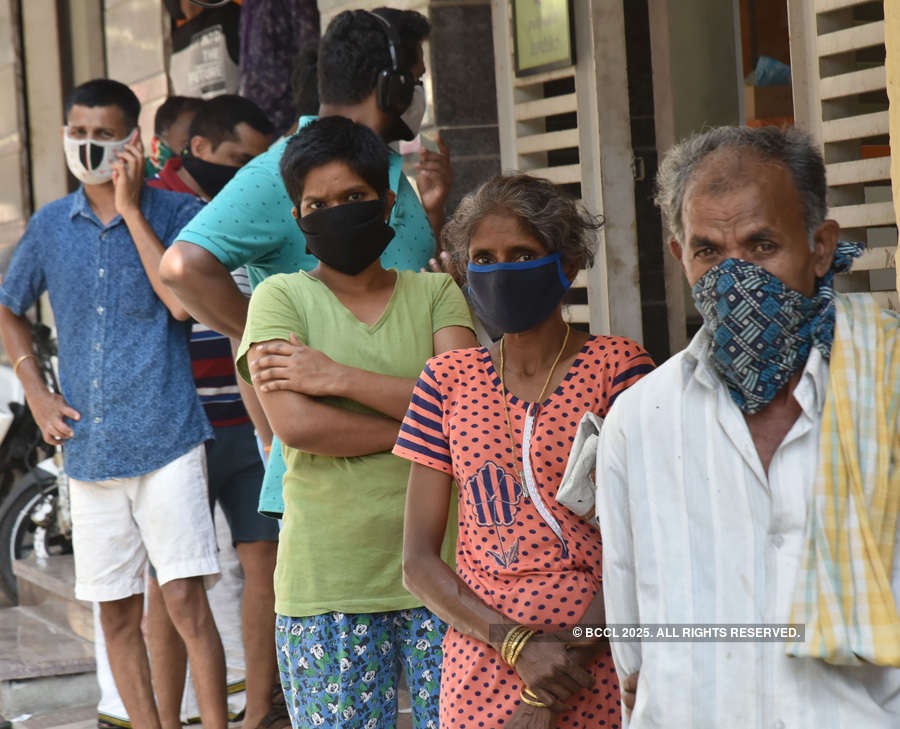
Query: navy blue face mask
[(515, 297)]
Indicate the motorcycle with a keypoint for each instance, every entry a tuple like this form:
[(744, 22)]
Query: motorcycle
[(34, 512)]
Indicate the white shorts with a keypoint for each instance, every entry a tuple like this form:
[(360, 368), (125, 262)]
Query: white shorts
[(118, 524)]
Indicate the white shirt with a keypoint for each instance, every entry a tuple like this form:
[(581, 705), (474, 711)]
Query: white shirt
[(695, 532)]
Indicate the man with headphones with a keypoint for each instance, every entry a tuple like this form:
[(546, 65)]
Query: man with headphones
[(369, 69)]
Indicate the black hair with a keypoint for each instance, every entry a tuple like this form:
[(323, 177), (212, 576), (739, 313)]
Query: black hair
[(304, 88), (335, 139), (217, 119), (106, 92), (355, 49), (171, 109)]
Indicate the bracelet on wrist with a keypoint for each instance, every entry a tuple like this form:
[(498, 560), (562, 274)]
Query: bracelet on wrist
[(20, 360), (529, 697), (514, 643)]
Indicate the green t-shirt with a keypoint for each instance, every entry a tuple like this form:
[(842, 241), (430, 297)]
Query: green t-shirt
[(341, 543)]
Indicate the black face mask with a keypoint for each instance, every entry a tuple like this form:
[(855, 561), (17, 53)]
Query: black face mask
[(210, 176), (349, 237), (514, 297)]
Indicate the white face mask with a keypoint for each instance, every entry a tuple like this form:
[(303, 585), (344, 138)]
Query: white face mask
[(412, 117), (91, 161)]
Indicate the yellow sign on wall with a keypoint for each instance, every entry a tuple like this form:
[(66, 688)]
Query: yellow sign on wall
[(543, 35)]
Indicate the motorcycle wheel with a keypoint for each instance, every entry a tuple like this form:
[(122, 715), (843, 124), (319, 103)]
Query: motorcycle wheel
[(17, 530)]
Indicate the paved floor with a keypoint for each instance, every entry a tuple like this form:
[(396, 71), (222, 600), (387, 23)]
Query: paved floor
[(225, 600)]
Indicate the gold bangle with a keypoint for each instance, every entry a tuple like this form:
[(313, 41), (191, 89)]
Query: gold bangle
[(526, 696), (519, 647), (510, 640), (19, 361)]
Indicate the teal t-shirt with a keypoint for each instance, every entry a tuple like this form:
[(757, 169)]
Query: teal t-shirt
[(249, 223)]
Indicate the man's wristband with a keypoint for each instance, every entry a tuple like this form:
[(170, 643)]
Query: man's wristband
[(20, 360)]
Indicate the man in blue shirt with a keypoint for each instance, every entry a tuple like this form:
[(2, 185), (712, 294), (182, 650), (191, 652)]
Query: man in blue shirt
[(128, 415), (369, 69)]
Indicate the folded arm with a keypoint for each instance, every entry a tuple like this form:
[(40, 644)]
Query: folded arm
[(292, 366), (309, 425)]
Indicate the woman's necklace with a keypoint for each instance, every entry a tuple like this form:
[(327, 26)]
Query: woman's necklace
[(512, 439)]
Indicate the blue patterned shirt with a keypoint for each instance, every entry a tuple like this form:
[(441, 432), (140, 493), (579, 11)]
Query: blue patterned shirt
[(123, 359)]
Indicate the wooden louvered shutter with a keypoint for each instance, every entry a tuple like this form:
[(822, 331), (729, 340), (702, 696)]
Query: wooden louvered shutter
[(552, 125), (840, 97)]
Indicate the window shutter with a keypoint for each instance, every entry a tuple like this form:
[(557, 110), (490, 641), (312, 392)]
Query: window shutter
[(840, 97)]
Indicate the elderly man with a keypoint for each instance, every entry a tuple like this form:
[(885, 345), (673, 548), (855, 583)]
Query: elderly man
[(735, 483)]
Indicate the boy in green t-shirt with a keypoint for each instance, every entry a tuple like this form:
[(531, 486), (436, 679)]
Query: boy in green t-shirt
[(334, 354)]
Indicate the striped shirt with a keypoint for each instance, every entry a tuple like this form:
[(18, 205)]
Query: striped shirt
[(211, 357), (214, 374), (695, 531)]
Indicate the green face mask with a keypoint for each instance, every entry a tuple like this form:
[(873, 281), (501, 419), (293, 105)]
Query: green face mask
[(160, 153)]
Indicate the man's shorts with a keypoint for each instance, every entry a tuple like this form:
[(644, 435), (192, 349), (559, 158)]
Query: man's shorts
[(235, 478), (119, 523)]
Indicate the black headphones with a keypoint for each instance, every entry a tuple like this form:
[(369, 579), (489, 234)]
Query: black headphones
[(394, 90)]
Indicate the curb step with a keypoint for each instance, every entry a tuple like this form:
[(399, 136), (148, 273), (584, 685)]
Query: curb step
[(50, 589), (42, 666), (46, 643)]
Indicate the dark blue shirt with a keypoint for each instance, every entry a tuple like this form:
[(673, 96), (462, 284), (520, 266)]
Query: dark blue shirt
[(123, 359)]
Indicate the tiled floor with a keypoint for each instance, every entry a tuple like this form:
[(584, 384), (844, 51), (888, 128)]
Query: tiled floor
[(34, 639), (31, 647), (84, 717)]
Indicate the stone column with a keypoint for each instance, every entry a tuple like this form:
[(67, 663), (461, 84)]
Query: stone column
[(136, 51), (464, 90), (15, 195)]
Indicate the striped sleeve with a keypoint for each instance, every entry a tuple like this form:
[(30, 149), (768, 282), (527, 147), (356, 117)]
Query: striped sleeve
[(422, 437), (630, 369)]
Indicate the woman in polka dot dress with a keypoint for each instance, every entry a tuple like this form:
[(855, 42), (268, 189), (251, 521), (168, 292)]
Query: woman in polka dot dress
[(522, 558)]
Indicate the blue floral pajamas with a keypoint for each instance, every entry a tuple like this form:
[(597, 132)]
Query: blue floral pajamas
[(342, 671)]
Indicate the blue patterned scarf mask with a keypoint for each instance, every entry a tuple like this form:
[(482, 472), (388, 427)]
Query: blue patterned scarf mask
[(763, 331)]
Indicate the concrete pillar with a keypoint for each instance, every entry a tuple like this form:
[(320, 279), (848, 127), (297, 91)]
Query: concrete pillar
[(696, 83), (45, 92), (15, 196), (464, 111), (892, 69), (136, 36), (464, 90)]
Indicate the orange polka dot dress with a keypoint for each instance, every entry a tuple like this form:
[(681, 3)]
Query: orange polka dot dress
[(520, 551)]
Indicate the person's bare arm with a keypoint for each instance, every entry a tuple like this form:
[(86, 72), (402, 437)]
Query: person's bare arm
[(49, 409), (434, 177), (306, 424), (252, 405), (296, 367), (545, 665), (204, 287), (128, 178)]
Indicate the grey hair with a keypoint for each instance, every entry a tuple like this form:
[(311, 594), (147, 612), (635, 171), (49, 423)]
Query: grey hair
[(542, 208), (790, 147)]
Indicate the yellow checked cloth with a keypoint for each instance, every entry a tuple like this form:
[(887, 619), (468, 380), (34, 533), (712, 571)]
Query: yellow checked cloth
[(843, 593)]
